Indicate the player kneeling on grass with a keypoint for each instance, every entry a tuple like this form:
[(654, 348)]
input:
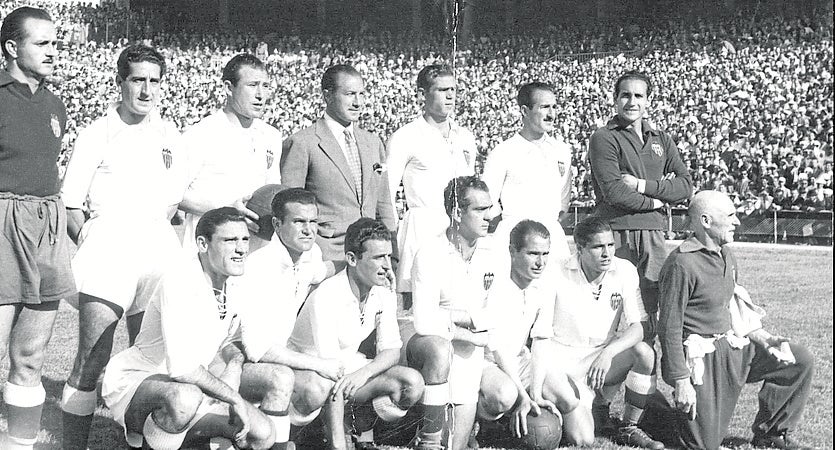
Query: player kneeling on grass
[(598, 336), (160, 388), (514, 379), (349, 313)]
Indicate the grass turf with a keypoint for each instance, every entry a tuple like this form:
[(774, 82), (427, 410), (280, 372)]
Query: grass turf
[(794, 284)]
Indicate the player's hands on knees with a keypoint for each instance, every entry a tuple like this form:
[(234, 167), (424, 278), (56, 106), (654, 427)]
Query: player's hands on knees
[(238, 413), (332, 369), (596, 377), (347, 386), (520, 415), (685, 397)]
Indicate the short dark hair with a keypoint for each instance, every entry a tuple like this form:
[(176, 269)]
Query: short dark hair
[(12, 28), (232, 69), (430, 73), (137, 54), (331, 75), (208, 224), (633, 75), (588, 227), (457, 189), (364, 229), (292, 195), (525, 95), (520, 233)]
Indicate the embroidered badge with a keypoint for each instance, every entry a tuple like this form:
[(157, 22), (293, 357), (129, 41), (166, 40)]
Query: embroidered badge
[(166, 158), (615, 301), (55, 125), (488, 280), (270, 158), (561, 165), (656, 147)]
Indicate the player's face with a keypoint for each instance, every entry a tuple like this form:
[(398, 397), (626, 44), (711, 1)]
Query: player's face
[(140, 89), (440, 97), (473, 219), (297, 229), (344, 102), (248, 97), (529, 261), (631, 102), (723, 221), (227, 249), (36, 54), (540, 117), (373, 265), (596, 256)]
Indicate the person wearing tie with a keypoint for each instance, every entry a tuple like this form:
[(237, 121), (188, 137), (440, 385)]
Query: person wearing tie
[(340, 163)]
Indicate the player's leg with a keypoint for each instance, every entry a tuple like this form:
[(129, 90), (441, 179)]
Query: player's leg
[(431, 356), (635, 367), (271, 385), (392, 392), (574, 402), (24, 394), (463, 418), (8, 313), (97, 321), (497, 393)]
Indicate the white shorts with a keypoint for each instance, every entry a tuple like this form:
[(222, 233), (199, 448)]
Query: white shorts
[(464, 372), (576, 362), (105, 267), (352, 363), (523, 361)]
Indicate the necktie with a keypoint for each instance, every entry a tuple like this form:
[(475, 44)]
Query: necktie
[(353, 154)]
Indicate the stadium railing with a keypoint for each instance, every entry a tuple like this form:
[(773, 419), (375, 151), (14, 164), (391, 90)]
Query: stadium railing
[(786, 227)]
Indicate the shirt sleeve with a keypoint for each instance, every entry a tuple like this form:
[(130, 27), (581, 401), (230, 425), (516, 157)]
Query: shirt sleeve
[(605, 165), (318, 266), (568, 179), (396, 161), (495, 172), (86, 158), (675, 286), (633, 304), (388, 332), (543, 325), (429, 318)]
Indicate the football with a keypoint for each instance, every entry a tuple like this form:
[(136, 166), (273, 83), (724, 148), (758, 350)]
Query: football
[(260, 203), (544, 431)]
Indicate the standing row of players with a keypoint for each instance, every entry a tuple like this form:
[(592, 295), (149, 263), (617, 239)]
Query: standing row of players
[(167, 388)]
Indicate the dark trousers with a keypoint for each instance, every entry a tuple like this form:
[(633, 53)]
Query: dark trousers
[(781, 399)]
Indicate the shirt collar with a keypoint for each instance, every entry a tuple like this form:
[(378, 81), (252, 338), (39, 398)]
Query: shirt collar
[(7, 79), (336, 128), (116, 125), (573, 263), (615, 124), (280, 251), (692, 244)]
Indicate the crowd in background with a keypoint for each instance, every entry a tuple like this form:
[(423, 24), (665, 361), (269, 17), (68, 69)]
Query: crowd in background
[(748, 98)]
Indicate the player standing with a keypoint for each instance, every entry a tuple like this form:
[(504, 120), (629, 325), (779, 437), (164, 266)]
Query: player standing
[(232, 152), (529, 175), (425, 154), (35, 268), (113, 156), (351, 317)]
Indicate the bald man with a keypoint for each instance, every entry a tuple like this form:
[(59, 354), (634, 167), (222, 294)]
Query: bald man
[(712, 346)]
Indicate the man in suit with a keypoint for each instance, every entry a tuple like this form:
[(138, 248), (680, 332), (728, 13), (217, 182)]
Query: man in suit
[(340, 163)]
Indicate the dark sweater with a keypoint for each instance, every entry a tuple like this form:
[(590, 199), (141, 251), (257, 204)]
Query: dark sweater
[(31, 128)]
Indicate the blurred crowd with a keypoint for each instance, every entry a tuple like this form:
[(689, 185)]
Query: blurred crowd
[(748, 98)]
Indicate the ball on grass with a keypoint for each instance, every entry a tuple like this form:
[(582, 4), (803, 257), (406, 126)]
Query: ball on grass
[(544, 431), (261, 203)]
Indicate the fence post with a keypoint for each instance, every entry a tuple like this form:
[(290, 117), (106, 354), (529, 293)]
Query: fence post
[(775, 225)]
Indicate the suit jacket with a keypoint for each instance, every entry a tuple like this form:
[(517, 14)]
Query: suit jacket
[(312, 159)]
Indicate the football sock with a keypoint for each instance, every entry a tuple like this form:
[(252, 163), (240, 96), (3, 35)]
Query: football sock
[(386, 409), (159, 439), (78, 407), (281, 422), (638, 389), (435, 399), (24, 404)]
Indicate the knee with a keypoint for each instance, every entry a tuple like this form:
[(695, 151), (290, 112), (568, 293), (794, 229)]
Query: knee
[(643, 355), (505, 397), (281, 379), (180, 407), (435, 354), (26, 362), (262, 435), (803, 358), (411, 386), (312, 394)]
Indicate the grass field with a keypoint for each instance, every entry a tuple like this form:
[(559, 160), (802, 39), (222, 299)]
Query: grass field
[(794, 284)]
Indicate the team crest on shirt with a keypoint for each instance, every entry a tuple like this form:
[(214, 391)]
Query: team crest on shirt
[(166, 158), (561, 165), (270, 158), (657, 149), (615, 301), (488, 280), (55, 125)]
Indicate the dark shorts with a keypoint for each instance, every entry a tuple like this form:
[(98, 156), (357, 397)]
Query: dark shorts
[(34, 250), (647, 250)]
